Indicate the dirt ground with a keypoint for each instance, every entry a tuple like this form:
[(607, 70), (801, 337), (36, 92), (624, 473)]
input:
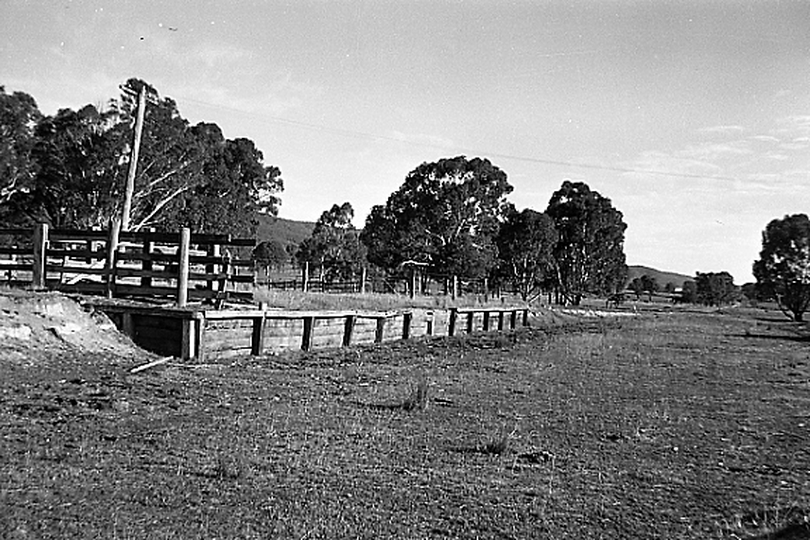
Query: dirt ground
[(665, 425)]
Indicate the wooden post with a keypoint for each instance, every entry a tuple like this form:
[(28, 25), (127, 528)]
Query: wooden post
[(146, 263), (451, 324), (486, 321), (128, 325), (412, 289), (183, 259), (305, 277), (257, 339), (526, 317), (486, 289), (213, 250), (454, 294), (513, 319), (188, 348), (348, 329), (133, 160), (112, 256), (306, 339), (430, 322), (500, 320), (379, 334), (363, 279), (470, 316), (40, 255), (407, 319)]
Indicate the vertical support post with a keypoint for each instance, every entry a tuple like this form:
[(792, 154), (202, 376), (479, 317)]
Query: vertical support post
[(257, 338), (525, 317), (486, 289), (451, 324), (146, 263), (486, 321), (305, 277), (430, 322), (40, 255), (412, 288), (112, 256), (500, 320), (379, 334), (306, 339), (183, 260), (188, 344), (470, 316), (454, 294), (407, 319), (128, 325), (348, 329), (363, 280), (213, 250), (512, 319)]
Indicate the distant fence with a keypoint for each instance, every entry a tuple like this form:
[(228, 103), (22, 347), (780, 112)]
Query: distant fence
[(140, 264)]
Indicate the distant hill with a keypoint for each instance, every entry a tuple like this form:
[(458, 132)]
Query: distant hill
[(286, 231), (661, 277)]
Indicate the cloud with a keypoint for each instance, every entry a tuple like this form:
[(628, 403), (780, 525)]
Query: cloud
[(721, 130), (713, 151)]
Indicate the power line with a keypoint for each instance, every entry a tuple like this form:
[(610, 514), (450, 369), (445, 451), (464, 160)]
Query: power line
[(471, 151)]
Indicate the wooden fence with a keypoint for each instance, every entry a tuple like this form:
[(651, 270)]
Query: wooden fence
[(141, 264)]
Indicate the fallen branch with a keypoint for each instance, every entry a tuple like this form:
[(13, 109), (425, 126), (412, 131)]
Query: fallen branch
[(157, 362)]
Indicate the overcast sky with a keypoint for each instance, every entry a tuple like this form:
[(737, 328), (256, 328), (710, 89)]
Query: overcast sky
[(693, 117)]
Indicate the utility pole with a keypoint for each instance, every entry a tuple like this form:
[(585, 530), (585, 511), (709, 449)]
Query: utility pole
[(133, 158)]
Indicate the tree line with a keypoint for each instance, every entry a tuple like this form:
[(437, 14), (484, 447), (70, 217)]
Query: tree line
[(448, 218)]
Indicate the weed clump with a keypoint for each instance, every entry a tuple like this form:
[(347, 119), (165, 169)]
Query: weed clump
[(418, 399)]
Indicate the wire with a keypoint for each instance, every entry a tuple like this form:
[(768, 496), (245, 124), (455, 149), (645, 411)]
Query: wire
[(374, 136)]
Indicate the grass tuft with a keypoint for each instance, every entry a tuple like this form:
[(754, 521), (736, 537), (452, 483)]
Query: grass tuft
[(498, 445), (419, 397)]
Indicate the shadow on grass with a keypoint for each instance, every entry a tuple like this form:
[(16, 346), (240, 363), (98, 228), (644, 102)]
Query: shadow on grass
[(775, 337)]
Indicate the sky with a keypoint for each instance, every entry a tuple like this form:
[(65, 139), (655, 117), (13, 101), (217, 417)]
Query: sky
[(692, 117)]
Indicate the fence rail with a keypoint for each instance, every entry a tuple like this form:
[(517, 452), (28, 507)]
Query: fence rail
[(180, 265)]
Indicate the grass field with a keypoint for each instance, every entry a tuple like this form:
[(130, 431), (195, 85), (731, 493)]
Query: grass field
[(682, 425)]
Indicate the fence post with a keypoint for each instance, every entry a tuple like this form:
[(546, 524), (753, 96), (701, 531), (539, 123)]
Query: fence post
[(306, 339), (454, 293), (182, 278), (526, 317), (451, 324), (379, 334), (407, 318), (363, 278), (486, 321), (305, 277), (348, 329), (257, 338), (470, 316), (112, 258), (146, 263), (40, 255), (512, 319)]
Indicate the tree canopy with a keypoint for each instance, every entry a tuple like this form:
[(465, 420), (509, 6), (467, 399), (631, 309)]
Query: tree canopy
[(445, 216), (715, 288), (589, 255), (69, 169), (783, 268), (334, 245), (526, 242)]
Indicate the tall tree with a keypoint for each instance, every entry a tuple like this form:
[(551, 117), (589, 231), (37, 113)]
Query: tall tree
[(19, 115), (445, 216), (526, 243), (334, 245), (78, 161), (589, 256), (783, 268), (716, 288)]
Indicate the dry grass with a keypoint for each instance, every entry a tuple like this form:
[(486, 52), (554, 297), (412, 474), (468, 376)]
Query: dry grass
[(297, 300), (666, 426)]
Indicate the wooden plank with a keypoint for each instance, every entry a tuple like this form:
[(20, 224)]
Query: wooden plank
[(188, 335)]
